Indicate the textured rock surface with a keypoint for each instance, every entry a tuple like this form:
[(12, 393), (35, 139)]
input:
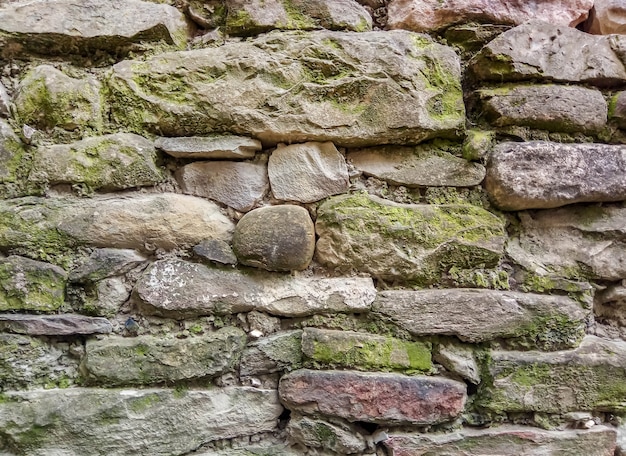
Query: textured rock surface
[(550, 322), (354, 90), (216, 251), (111, 162), (366, 233), (11, 153), (517, 440), (5, 102), (212, 147), (420, 166), (54, 325), (238, 185), (187, 289), (546, 107), (459, 359), (610, 304), (373, 397), (569, 173), (307, 172), (429, 15), (103, 263), (607, 17), (318, 433), (538, 50), (96, 421), (278, 352), (618, 109), (276, 238)]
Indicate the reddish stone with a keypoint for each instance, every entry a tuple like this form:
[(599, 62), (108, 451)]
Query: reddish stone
[(373, 397)]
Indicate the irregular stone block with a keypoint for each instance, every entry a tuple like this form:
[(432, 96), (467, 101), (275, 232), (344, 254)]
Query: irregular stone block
[(47, 98), (54, 325), (430, 15), (175, 287), (364, 351), (607, 17), (569, 173), (351, 89), (5, 102), (276, 238), (617, 109), (592, 377), (373, 397), (578, 242), (278, 352), (12, 159), (103, 263), (110, 295), (228, 147), (68, 27), (215, 251), (145, 360), (420, 166), (517, 440), (473, 315), (458, 359), (111, 162), (26, 284), (366, 233), (307, 172), (539, 50), (546, 107), (93, 421), (610, 304), (478, 144), (238, 185), (318, 433)]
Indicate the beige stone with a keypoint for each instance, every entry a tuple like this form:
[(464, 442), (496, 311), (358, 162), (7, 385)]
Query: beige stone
[(230, 147), (607, 17)]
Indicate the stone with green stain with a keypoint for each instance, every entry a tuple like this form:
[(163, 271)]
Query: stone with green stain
[(13, 161), (278, 352), (478, 144), (408, 243), (339, 437), (364, 351)]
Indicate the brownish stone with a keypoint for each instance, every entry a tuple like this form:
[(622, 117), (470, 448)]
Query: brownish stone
[(54, 325)]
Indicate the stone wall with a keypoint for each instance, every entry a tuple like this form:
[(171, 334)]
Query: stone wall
[(312, 227)]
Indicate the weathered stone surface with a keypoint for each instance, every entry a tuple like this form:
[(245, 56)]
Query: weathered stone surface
[(276, 238), (546, 107), (238, 185), (228, 147), (92, 421), (26, 284), (11, 153), (478, 144), (216, 251), (318, 433), (617, 109), (473, 315), (68, 27), (307, 172), (5, 102), (181, 288), (429, 15), (48, 98), (592, 377), (103, 263), (607, 17), (405, 242), (458, 359), (28, 362), (578, 242), (364, 351), (569, 173), (54, 325), (373, 397), (247, 17), (351, 89), (420, 166), (610, 304), (538, 50), (500, 440), (145, 360), (278, 352), (472, 36), (110, 295), (111, 162)]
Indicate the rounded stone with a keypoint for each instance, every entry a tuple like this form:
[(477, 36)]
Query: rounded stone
[(276, 238)]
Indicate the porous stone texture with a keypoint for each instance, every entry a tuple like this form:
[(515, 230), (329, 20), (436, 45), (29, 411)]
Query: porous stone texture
[(48, 98), (364, 351), (177, 287), (365, 233), (588, 378), (459, 359), (216, 251), (11, 153), (111, 162), (610, 304), (230, 147), (546, 107), (351, 89), (319, 433), (238, 185), (307, 172), (540, 50), (93, 421), (607, 17), (110, 295), (5, 102), (420, 166), (276, 238), (431, 15), (518, 440), (373, 397), (54, 325), (149, 360), (549, 322), (569, 173), (103, 263), (278, 352), (71, 28)]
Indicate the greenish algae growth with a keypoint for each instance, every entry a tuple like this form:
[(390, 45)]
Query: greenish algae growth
[(143, 403), (325, 435), (41, 290), (297, 19)]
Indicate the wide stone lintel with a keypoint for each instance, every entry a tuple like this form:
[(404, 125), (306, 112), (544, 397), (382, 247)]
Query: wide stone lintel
[(54, 325)]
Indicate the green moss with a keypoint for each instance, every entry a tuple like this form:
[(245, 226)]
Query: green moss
[(325, 435), (447, 100), (537, 283), (28, 288), (147, 401), (362, 25), (297, 18), (553, 332), (479, 278)]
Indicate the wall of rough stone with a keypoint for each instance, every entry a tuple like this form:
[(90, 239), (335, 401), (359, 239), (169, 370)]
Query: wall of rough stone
[(288, 227)]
